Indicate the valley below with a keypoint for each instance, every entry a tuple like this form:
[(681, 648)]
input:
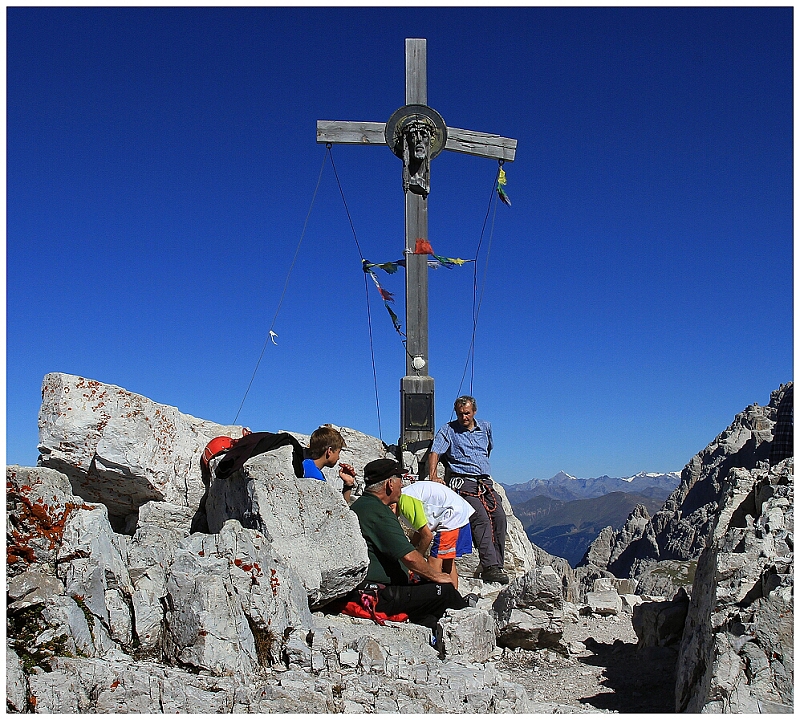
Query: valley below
[(564, 515)]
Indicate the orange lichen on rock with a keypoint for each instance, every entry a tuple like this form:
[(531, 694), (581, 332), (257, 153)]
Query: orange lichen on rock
[(274, 582), (35, 521)]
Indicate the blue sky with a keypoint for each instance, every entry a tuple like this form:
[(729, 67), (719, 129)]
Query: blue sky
[(161, 164)]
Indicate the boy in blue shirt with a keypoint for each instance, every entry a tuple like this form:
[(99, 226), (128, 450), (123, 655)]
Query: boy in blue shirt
[(324, 448)]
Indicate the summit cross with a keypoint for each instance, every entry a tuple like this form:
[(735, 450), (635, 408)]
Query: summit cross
[(416, 133)]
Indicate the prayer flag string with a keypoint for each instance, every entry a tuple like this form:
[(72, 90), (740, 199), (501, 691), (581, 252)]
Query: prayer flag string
[(422, 247), (435, 264), (386, 296), (501, 181)]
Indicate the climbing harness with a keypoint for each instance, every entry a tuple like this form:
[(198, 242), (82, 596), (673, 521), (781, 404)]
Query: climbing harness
[(489, 503)]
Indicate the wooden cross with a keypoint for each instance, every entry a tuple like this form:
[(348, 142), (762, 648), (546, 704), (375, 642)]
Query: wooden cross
[(401, 133)]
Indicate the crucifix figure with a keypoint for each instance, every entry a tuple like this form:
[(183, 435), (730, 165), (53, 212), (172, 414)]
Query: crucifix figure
[(416, 133), (416, 142)]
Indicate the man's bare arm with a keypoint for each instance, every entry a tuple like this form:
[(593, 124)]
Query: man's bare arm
[(415, 562), (433, 465), (422, 539)]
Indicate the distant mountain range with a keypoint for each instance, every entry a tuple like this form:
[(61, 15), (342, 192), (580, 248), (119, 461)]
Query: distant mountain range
[(567, 528), (563, 515), (566, 487)]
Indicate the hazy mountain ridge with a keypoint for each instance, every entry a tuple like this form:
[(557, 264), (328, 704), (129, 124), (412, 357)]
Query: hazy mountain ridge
[(566, 528), (566, 487)]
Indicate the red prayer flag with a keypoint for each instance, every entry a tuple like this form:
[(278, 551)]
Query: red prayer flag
[(423, 247)]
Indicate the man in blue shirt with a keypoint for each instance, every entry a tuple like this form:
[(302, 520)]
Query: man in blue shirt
[(464, 446)]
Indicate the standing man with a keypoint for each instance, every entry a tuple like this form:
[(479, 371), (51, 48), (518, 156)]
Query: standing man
[(464, 446), (391, 555)]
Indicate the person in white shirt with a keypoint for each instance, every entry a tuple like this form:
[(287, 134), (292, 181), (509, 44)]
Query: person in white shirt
[(440, 518)]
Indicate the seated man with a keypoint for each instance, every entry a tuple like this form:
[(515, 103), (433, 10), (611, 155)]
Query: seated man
[(440, 518), (324, 446), (391, 555)]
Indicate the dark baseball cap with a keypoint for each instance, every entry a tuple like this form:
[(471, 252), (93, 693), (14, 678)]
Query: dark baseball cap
[(380, 470)]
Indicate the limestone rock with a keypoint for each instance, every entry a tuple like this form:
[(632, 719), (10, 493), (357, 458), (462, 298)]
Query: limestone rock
[(610, 544), (307, 522), (16, 683), (165, 516), (32, 587), (629, 602), (115, 605), (230, 600), (737, 652), (602, 583), (92, 560), (604, 602), (80, 685), (405, 645), (39, 503), (659, 624), (585, 578), (529, 611), (570, 590), (120, 448), (469, 633), (599, 552), (160, 528), (666, 577), (625, 586), (376, 684), (680, 530), (73, 627), (207, 628), (520, 557)]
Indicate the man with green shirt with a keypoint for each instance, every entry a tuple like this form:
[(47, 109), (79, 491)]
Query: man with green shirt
[(392, 556)]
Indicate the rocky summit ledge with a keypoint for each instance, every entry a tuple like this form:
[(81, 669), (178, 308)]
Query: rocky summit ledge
[(134, 587)]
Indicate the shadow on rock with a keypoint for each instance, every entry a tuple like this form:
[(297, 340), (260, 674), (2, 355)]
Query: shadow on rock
[(640, 680)]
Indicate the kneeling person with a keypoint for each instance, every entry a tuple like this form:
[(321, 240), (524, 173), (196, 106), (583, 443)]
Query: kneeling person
[(391, 555), (440, 518)]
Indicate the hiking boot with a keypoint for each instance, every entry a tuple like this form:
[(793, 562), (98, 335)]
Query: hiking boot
[(494, 574)]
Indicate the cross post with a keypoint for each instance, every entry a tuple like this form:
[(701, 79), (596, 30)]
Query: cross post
[(416, 133)]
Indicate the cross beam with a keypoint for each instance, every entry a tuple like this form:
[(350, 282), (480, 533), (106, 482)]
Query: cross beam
[(416, 388), (458, 140)]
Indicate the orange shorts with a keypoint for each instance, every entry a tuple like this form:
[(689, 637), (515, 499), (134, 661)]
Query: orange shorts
[(452, 543)]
